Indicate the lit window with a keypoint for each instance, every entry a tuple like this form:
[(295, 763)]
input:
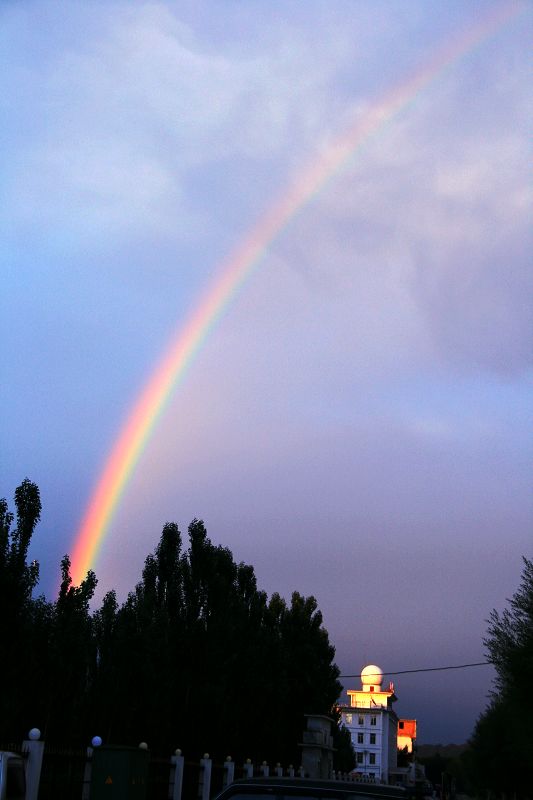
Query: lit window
[(360, 738), (372, 720), (372, 738), (371, 758), (359, 758), (348, 719), (361, 720)]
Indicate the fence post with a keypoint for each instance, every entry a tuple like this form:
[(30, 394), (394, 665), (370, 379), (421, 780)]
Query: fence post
[(86, 788), (301, 772), (265, 770), (279, 770), (34, 749), (290, 771), (204, 782), (248, 769), (96, 741), (229, 771), (175, 780)]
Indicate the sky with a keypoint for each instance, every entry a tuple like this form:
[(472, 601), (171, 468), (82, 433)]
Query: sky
[(356, 424)]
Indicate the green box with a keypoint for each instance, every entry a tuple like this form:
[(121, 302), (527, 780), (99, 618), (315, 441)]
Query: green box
[(119, 773)]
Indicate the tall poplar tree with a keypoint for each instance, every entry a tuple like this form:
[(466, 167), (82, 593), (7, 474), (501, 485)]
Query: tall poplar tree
[(501, 747), (17, 582), (197, 656)]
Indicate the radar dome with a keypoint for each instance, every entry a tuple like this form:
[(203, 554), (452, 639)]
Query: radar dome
[(372, 676)]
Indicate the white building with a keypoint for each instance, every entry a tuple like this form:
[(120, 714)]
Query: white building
[(373, 725)]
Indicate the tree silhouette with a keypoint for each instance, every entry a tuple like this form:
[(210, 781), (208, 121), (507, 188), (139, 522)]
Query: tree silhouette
[(17, 581), (502, 743), (196, 656)]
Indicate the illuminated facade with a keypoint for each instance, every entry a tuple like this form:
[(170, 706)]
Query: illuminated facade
[(373, 725), (406, 734)]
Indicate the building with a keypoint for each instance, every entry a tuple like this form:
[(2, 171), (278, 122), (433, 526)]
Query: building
[(406, 734), (373, 725)]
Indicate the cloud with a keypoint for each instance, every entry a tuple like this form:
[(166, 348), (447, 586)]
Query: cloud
[(136, 112), (431, 222), (413, 242)]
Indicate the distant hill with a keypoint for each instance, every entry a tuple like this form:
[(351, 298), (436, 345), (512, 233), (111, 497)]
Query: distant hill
[(443, 750)]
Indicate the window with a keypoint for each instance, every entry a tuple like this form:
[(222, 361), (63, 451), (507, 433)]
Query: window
[(360, 738), (372, 738), (371, 758), (372, 720), (359, 758), (348, 719), (361, 720), (400, 725)]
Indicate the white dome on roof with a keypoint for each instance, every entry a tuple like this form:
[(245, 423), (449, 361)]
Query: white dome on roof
[(372, 676)]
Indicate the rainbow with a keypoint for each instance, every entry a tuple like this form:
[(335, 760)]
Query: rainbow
[(172, 367)]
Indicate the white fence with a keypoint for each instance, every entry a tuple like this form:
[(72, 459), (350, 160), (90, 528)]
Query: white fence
[(33, 750), (202, 788)]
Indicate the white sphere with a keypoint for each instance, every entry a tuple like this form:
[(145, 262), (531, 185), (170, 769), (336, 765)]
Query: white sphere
[(372, 676), (34, 734), (143, 746), (96, 741)]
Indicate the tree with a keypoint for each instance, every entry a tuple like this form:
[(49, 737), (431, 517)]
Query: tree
[(510, 640), (502, 743), (344, 754), (17, 582), (71, 657), (197, 656), (17, 578), (404, 758), (47, 648)]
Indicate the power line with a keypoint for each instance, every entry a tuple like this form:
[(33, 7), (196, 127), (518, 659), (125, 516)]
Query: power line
[(427, 669)]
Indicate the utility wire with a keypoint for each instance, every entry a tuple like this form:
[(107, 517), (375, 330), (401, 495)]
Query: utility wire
[(426, 669)]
